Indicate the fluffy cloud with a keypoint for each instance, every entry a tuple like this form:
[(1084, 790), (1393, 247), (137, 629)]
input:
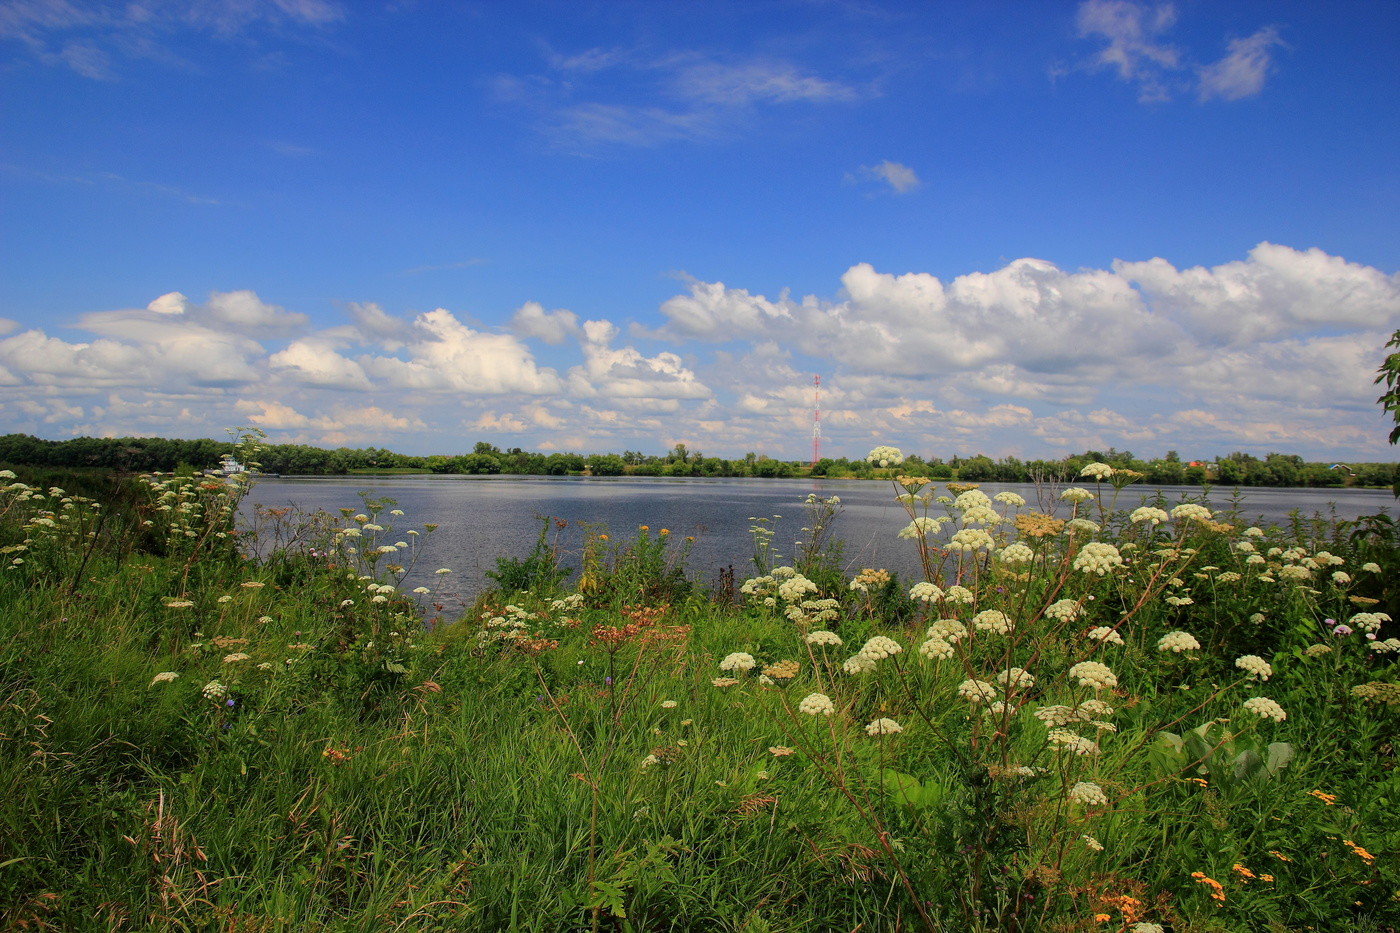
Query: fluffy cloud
[(1276, 349)]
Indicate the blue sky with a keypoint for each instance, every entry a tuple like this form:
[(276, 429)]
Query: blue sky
[(1009, 228)]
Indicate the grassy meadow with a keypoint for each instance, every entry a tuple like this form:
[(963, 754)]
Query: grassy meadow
[(1128, 721)]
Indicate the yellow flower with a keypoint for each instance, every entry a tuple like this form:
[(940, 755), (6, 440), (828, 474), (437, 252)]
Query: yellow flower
[(1328, 799)]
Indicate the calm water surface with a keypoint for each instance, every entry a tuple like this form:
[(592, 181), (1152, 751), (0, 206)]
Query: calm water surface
[(482, 518)]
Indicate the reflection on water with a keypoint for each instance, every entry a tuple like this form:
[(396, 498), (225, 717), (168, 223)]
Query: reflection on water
[(482, 518)]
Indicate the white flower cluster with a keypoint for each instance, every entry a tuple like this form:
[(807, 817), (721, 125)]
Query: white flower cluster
[(1076, 495), (1097, 557), (960, 594), (977, 690), (1010, 498), (1071, 741), (1015, 679), (885, 456), (1257, 667), (1295, 572), (1081, 526), (1189, 511), (925, 591), (1017, 553), (1265, 708), (1177, 642), (1148, 514), (817, 704), (991, 620), (879, 647), (1093, 674), (1088, 793), (858, 664), (936, 648), (921, 527), (950, 630), (981, 515), (215, 690), (1064, 610), (883, 727), (1369, 621), (824, 638), (737, 661), (970, 539), (1097, 470), (972, 499), (793, 588), (1105, 634)]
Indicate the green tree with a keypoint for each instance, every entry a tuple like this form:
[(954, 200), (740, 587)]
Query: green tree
[(1389, 374)]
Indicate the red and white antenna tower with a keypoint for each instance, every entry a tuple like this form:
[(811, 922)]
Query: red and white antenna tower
[(817, 421)]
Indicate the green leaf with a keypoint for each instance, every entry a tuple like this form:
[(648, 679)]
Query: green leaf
[(1280, 754), (394, 667)]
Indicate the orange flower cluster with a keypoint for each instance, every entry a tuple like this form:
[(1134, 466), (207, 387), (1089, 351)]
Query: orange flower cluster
[(1217, 890), (1365, 856), (1328, 799)]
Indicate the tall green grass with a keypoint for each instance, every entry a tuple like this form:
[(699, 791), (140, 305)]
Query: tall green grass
[(557, 761)]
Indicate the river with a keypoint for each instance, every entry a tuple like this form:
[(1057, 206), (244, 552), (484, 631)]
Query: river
[(482, 518)]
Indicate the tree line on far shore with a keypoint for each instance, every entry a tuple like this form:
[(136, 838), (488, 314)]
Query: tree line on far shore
[(156, 454)]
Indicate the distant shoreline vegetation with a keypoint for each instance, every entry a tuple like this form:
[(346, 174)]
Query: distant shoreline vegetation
[(155, 454)]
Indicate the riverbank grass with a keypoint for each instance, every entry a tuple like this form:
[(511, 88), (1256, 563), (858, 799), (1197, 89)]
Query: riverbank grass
[(1160, 719)]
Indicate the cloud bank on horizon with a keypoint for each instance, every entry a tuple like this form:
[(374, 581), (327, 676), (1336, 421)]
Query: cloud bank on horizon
[(564, 227), (1273, 350)]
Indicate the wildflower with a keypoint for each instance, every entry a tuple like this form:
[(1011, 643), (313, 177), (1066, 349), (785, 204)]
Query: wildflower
[(738, 661), (1055, 715), (919, 528), (421, 590), (1257, 667), (1342, 631), (1357, 850), (668, 704), (265, 666), (1076, 495), (1295, 572), (650, 760), (781, 670), (443, 570), (214, 690), (1091, 709), (1072, 742), (817, 704), (1143, 926), (1010, 498), (1090, 843), (1371, 567), (724, 682), (1093, 674), (1228, 576), (879, 647), (252, 585), (977, 690), (1065, 610), (883, 727), (1243, 872), (1328, 799), (1179, 600), (1083, 526), (1097, 470), (1177, 642), (1369, 621), (1105, 634), (179, 604), (824, 638), (858, 664), (1097, 557), (1189, 511), (1148, 514), (960, 594), (235, 657), (779, 751), (1340, 579), (1257, 618), (885, 456), (936, 648), (1317, 651), (1265, 708), (990, 620), (1217, 891), (1016, 679), (1088, 793), (1255, 559), (950, 630), (1017, 553), (164, 677), (925, 591), (970, 539)]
